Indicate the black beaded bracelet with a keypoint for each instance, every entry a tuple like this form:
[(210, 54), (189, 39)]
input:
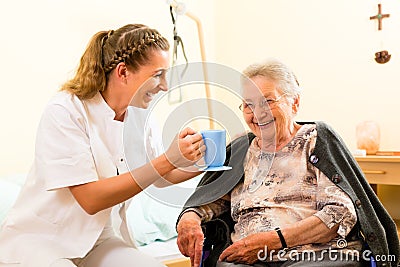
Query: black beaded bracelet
[(283, 242)]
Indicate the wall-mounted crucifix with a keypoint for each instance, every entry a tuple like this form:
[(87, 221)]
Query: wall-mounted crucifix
[(381, 57), (379, 17)]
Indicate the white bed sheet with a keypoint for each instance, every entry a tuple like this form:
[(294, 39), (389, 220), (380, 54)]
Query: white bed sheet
[(162, 250)]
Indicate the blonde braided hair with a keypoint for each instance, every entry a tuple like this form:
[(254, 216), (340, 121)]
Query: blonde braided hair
[(131, 44), (123, 54)]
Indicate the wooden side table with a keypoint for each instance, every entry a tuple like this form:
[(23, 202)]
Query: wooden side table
[(383, 170)]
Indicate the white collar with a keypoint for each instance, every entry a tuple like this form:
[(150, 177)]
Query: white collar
[(100, 107)]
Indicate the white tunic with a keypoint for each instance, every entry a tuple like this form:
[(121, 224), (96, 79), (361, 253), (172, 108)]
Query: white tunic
[(77, 142)]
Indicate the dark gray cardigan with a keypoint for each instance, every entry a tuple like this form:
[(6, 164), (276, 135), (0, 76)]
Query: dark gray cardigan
[(333, 158)]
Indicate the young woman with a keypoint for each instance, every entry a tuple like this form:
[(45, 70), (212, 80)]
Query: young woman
[(62, 216)]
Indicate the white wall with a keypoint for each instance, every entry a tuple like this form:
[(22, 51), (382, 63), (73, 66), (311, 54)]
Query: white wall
[(41, 44), (330, 45)]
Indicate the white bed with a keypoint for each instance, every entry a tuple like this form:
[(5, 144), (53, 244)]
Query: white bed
[(151, 221), (165, 250)]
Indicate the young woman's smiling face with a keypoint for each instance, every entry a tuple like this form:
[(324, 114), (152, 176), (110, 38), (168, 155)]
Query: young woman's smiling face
[(150, 79)]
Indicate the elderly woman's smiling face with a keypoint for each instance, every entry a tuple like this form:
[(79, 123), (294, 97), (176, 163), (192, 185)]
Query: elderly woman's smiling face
[(268, 113)]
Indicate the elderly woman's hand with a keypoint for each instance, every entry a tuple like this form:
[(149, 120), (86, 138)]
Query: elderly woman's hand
[(250, 249), (190, 237)]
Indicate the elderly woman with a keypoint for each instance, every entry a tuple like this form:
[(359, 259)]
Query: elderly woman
[(295, 195)]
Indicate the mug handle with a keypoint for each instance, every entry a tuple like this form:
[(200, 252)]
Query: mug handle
[(205, 164)]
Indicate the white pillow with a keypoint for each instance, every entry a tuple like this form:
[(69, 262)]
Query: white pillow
[(8, 194), (18, 178), (149, 220), (149, 216)]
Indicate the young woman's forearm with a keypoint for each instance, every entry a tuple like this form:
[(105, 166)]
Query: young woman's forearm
[(175, 177), (96, 196)]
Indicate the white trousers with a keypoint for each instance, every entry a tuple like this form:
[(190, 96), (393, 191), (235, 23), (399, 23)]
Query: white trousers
[(110, 253)]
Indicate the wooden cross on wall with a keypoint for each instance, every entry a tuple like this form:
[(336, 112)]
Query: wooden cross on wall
[(379, 17)]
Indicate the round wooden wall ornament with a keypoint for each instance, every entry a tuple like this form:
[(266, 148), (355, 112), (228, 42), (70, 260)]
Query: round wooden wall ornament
[(382, 57)]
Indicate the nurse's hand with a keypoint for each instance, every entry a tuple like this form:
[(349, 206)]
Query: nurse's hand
[(190, 237), (186, 149)]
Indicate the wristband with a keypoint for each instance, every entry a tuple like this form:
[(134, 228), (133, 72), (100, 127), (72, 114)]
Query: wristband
[(283, 242)]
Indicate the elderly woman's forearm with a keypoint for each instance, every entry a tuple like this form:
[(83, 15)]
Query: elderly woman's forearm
[(309, 230)]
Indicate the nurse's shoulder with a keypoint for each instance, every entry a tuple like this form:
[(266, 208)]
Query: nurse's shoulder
[(65, 109)]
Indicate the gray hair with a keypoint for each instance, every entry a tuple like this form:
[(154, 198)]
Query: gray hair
[(278, 72)]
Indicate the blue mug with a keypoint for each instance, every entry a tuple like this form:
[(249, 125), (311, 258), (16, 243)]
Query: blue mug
[(215, 142)]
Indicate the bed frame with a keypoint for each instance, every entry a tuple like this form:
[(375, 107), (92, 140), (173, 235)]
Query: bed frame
[(181, 262)]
